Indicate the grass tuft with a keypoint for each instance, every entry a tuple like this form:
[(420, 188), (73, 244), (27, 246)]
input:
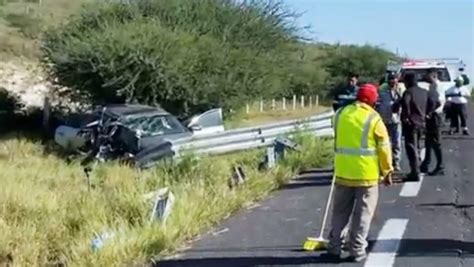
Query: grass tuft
[(49, 217)]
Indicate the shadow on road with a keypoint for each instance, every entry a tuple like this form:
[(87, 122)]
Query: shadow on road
[(243, 262), (305, 184), (435, 247), (314, 177), (309, 180), (408, 248), (457, 138), (458, 206), (317, 170)]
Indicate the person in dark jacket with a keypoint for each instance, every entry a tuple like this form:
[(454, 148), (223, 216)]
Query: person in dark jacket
[(346, 95), (434, 122), (416, 104)]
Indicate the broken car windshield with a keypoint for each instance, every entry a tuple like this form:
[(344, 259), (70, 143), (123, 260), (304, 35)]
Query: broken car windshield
[(154, 125)]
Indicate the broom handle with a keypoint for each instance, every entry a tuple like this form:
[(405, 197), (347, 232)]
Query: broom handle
[(328, 203)]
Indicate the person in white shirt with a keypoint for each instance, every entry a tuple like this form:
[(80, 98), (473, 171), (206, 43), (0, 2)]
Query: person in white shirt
[(458, 97)]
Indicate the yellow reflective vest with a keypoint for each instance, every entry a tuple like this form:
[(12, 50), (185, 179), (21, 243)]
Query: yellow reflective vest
[(362, 146)]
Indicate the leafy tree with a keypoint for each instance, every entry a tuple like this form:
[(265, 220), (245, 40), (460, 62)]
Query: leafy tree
[(188, 56)]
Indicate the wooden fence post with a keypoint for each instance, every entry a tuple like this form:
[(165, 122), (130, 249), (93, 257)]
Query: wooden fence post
[(284, 103)]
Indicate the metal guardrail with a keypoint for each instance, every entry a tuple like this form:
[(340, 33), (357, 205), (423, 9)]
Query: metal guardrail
[(253, 137)]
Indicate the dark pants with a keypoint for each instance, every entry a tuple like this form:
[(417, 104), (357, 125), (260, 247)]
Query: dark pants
[(412, 146), (458, 113), (433, 140)]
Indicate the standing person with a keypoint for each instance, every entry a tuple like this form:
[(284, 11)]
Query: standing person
[(347, 94), (361, 157), (458, 96), (384, 82), (389, 108), (415, 104), (434, 123)]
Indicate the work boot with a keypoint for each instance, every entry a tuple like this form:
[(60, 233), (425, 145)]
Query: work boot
[(423, 168), (453, 131), (437, 171), (465, 132), (413, 178)]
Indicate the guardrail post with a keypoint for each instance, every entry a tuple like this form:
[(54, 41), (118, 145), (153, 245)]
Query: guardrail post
[(284, 103), (294, 102), (271, 162), (164, 201)]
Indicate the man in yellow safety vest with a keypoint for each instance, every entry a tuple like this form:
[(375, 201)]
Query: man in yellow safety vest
[(362, 156)]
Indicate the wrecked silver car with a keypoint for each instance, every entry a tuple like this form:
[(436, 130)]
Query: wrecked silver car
[(138, 133)]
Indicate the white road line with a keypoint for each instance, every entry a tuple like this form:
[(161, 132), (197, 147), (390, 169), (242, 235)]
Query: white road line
[(387, 244), (411, 189)]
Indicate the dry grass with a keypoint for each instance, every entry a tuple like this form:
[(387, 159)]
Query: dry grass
[(21, 23), (48, 216)]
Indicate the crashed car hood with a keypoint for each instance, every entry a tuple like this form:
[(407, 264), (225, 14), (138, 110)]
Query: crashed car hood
[(153, 149)]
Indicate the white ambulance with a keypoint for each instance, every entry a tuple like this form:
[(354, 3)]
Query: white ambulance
[(448, 69)]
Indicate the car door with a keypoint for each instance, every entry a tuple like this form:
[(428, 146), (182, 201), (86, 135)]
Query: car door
[(208, 122)]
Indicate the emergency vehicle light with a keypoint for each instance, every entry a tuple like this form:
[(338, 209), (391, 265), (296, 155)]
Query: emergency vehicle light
[(414, 63)]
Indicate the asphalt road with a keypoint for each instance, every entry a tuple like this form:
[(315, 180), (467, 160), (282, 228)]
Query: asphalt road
[(430, 223)]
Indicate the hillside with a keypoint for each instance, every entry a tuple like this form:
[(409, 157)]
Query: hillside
[(292, 67), (22, 22)]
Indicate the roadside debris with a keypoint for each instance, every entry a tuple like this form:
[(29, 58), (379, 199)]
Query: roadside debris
[(238, 177), (163, 202), (101, 239)]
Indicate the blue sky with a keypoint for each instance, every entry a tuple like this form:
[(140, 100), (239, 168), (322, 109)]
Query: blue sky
[(419, 28)]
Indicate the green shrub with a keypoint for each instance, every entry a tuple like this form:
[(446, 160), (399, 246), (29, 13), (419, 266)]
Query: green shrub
[(9, 102), (186, 56), (342, 60)]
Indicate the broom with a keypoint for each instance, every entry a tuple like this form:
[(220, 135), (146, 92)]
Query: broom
[(319, 243)]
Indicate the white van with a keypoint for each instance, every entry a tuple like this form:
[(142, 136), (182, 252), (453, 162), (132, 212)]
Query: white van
[(448, 69)]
